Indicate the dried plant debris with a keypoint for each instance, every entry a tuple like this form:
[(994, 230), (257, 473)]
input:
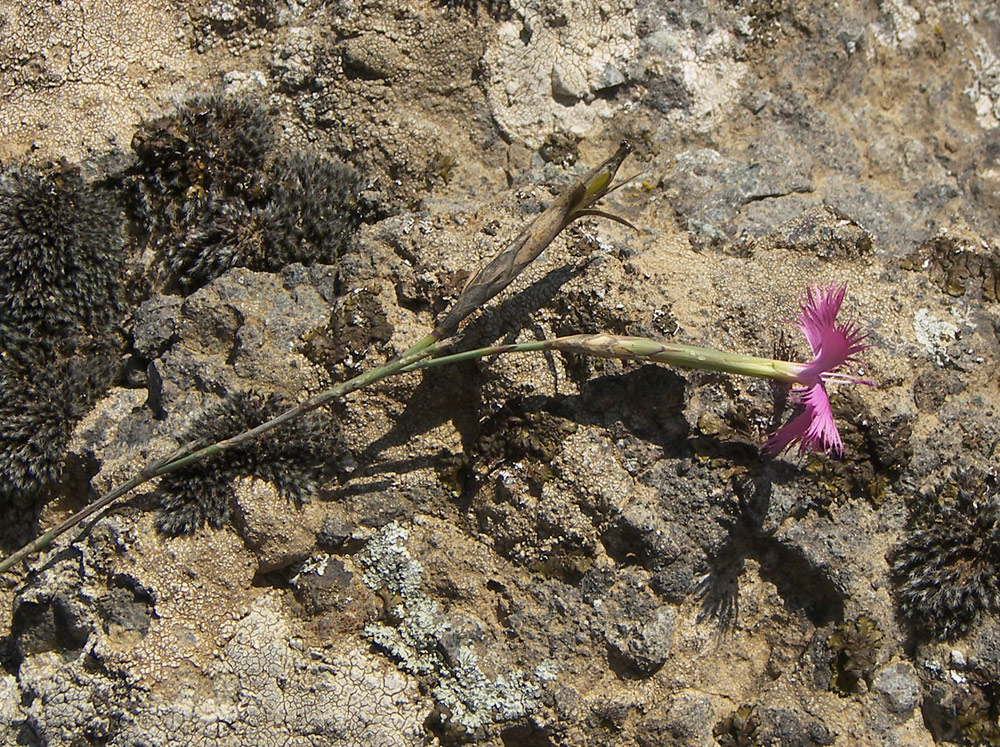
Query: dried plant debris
[(357, 323), (518, 435), (965, 711), (959, 264), (855, 646), (295, 457), (761, 27), (738, 729), (45, 388), (876, 452), (948, 569), (218, 194), (210, 144), (60, 250), (440, 168), (237, 26), (822, 231)]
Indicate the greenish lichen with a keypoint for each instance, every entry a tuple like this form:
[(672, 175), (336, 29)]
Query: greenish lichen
[(426, 641)]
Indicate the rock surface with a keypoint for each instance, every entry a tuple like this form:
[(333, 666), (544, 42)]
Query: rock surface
[(539, 549)]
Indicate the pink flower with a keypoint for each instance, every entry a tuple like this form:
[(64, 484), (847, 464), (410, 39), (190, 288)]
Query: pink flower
[(833, 345)]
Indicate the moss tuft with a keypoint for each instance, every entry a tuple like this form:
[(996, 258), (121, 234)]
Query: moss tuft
[(217, 193), (294, 457), (60, 250), (45, 388), (211, 144), (738, 729), (948, 570)]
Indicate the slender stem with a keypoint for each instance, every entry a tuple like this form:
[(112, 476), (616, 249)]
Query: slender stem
[(468, 355), (148, 473), (635, 348), (189, 453), (573, 203), (426, 347)]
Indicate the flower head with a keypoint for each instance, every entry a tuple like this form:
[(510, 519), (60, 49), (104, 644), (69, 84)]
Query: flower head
[(833, 345)]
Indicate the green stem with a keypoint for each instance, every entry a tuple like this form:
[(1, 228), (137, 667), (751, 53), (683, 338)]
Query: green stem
[(419, 357), (635, 348), (188, 454), (468, 355), (426, 347)]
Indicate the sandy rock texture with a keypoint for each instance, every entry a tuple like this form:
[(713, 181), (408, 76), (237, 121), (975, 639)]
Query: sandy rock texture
[(538, 550)]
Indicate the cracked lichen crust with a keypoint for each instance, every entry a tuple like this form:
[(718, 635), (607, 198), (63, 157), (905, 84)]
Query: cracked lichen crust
[(547, 65), (201, 663), (74, 76), (426, 641), (266, 691)]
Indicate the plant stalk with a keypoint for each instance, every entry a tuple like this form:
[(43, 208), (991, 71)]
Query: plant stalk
[(575, 202), (635, 348)]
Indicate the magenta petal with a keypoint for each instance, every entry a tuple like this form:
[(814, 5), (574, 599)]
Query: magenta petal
[(813, 429), (832, 344), (819, 313), (822, 434), (790, 433)]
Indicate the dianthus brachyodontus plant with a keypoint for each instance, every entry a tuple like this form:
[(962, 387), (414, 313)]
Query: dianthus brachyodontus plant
[(833, 344)]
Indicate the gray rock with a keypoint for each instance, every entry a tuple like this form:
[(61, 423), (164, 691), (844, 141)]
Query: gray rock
[(899, 685), (644, 644), (638, 628), (155, 324)]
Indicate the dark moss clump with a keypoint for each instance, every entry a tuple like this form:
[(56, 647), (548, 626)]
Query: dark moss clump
[(855, 646), (60, 250), (61, 245), (948, 570), (45, 388), (217, 193), (294, 457), (211, 144), (305, 213)]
